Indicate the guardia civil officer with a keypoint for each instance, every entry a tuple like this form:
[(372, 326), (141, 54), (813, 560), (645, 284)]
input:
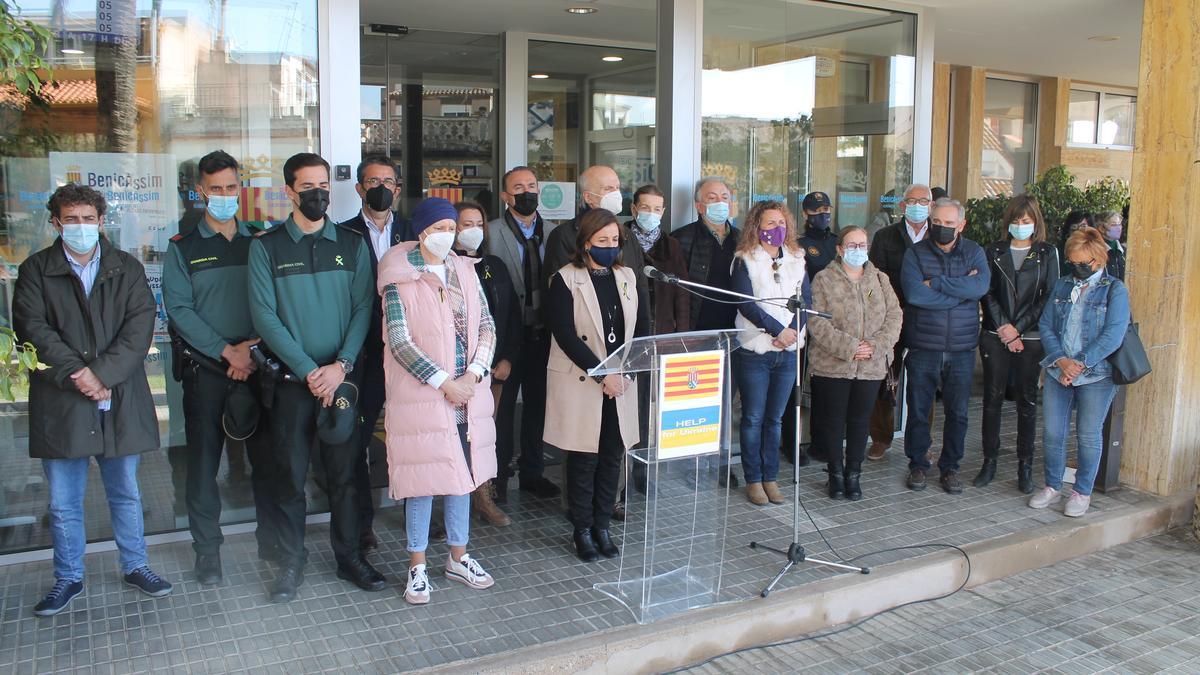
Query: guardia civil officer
[(204, 293), (310, 302)]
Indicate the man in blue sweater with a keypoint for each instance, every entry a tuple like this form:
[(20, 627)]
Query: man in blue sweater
[(943, 276)]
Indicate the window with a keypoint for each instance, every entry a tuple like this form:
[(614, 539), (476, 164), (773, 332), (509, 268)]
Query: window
[(1009, 134), (1101, 118)]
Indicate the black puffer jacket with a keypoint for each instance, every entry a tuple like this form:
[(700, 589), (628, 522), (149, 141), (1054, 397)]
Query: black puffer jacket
[(1017, 297)]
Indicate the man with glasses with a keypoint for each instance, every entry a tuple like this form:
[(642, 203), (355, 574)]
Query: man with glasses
[(85, 305), (378, 188), (887, 254)]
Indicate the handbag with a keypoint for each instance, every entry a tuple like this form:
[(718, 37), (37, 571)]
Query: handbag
[(1129, 363)]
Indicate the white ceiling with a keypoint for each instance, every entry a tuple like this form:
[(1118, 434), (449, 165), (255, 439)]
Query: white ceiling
[(1036, 37)]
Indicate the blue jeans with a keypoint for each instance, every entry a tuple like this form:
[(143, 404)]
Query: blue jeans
[(766, 381), (418, 511), (1091, 403), (68, 483), (927, 370)]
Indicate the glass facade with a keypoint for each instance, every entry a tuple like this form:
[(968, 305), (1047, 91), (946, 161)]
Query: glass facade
[(803, 97), (143, 90), (1101, 118), (1009, 133)]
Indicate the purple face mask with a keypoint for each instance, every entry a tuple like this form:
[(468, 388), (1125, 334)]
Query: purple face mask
[(1114, 231), (773, 236)]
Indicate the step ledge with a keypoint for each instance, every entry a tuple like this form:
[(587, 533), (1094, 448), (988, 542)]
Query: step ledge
[(694, 636)]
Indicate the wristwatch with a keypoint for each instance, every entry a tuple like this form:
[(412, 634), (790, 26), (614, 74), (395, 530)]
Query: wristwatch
[(347, 366)]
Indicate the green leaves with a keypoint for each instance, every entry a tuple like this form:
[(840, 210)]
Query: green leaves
[(22, 45), (16, 360)]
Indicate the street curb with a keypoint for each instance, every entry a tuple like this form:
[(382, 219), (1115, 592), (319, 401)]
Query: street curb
[(694, 636)]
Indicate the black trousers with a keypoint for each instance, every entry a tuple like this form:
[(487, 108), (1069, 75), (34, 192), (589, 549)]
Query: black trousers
[(841, 411), (997, 362), (204, 395), (528, 377), (294, 430), (370, 404), (592, 477)]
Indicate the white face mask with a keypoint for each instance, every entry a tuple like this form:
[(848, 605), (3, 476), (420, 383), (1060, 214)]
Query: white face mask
[(471, 238), (439, 244), (611, 201)]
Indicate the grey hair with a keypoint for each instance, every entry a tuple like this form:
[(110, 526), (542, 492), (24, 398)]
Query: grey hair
[(914, 186), (705, 181), (946, 201), (1105, 216)]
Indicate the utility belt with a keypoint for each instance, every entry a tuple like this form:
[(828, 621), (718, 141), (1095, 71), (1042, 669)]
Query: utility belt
[(271, 371), (184, 356)]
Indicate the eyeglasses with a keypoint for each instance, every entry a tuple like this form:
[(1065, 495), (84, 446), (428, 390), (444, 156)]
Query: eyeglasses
[(375, 182), (912, 201), (856, 247)]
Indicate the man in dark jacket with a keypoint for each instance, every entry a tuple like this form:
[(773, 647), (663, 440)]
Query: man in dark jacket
[(380, 229), (85, 305), (887, 254), (708, 245), (670, 305), (943, 277)]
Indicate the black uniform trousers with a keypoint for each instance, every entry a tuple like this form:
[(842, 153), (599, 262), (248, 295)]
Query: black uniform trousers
[(204, 395), (997, 362), (592, 477), (528, 377), (294, 427), (841, 411), (370, 404)]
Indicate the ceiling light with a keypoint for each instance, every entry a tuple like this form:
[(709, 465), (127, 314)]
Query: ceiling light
[(539, 76), (581, 10), (1104, 38), (72, 52), (612, 59)]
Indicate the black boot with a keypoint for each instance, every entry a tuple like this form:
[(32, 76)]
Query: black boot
[(986, 472), (605, 543), (853, 489), (585, 546), (1025, 475), (835, 484)]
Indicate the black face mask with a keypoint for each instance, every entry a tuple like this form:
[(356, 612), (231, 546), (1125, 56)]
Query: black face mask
[(314, 203), (1081, 271), (941, 234), (379, 198), (525, 203)]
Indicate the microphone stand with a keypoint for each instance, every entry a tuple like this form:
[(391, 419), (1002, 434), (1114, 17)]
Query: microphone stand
[(795, 553)]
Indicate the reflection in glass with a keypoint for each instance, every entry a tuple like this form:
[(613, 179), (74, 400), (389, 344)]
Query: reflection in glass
[(1081, 116), (1009, 127), (1117, 115)]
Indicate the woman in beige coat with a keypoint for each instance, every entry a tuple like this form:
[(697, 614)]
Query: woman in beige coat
[(849, 357), (592, 311)]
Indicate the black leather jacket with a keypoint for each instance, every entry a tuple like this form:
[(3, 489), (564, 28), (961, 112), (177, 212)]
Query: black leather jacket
[(1018, 297)]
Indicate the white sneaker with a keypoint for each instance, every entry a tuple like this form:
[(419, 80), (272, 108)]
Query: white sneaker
[(417, 590), (468, 571), (1077, 504), (1044, 498)]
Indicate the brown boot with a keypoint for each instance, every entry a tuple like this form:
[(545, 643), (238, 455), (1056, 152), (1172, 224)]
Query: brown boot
[(756, 495), (773, 493), (878, 450), (484, 507)]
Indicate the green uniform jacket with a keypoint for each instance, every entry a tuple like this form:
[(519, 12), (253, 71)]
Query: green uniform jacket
[(108, 331), (204, 288), (310, 295)]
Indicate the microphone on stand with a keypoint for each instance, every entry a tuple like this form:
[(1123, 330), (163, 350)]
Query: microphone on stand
[(656, 274)]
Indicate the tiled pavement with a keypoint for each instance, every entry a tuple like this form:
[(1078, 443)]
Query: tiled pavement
[(1134, 608), (542, 593)]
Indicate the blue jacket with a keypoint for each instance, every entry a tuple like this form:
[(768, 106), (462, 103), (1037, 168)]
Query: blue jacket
[(943, 316), (1104, 323)]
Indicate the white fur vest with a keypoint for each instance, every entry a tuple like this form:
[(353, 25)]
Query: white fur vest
[(791, 274)]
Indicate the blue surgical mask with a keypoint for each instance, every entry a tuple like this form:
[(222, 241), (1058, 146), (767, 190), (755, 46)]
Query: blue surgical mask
[(717, 212), (605, 256), (648, 220), (855, 257), (916, 213), (81, 237), (222, 207), (1020, 232)]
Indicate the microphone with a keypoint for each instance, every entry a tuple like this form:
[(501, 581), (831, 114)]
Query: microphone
[(656, 274)]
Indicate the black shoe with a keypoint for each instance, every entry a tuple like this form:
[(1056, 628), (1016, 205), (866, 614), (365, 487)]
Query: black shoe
[(541, 487), (853, 489), (802, 456), (287, 584), (986, 473), (834, 485), (604, 543), (145, 580), (726, 479), (585, 546), (360, 573), (814, 452), (367, 542), (916, 479), (208, 569), (950, 482), (58, 598), (1025, 476)]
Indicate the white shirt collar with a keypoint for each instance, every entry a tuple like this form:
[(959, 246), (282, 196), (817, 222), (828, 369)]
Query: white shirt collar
[(913, 234)]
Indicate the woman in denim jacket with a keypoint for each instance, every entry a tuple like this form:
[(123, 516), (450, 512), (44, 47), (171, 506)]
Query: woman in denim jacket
[(1082, 325)]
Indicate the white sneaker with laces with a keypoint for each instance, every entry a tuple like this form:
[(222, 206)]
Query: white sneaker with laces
[(468, 571), (1077, 505), (1045, 497), (417, 590)]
